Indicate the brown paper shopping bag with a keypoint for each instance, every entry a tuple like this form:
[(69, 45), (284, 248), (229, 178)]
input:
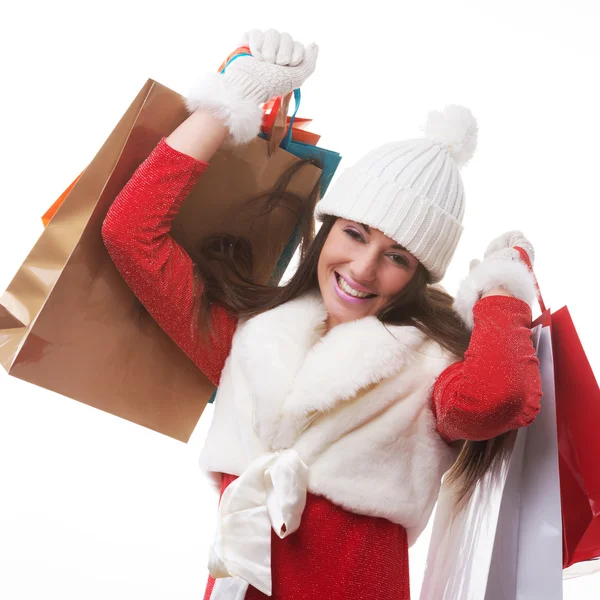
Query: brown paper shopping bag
[(68, 321)]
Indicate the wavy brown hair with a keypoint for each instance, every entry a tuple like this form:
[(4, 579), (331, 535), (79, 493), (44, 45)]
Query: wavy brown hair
[(225, 266)]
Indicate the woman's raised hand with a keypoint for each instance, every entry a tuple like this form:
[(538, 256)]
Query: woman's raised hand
[(278, 65), (502, 272)]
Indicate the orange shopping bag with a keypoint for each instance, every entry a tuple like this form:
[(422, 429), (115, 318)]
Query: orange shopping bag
[(52, 210)]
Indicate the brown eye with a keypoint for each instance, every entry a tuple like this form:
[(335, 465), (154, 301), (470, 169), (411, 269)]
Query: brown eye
[(354, 234), (399, 259)]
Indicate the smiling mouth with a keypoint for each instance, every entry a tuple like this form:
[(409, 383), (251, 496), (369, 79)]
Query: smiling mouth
[(348, 289)]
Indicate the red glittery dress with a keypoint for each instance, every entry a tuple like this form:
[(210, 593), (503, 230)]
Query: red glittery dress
[(335, 554)]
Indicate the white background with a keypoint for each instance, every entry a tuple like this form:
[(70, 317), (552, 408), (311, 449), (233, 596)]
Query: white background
[(92, 506)]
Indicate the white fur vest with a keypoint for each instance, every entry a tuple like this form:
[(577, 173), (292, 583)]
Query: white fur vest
[(355, 404)]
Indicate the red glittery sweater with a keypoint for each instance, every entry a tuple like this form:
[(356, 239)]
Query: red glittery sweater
[(496, 387)]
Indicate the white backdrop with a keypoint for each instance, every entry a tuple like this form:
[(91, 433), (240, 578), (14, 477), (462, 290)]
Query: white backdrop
[(92, 506)]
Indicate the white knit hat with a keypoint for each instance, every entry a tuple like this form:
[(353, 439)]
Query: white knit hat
[(412, 190)]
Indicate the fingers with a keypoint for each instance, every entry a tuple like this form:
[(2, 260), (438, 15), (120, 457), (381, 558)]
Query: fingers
[(503, 246), (279, 48), (256, 40), (473, 264), (297, 54), (305, 69), (506, 240), (310, 57), (270, 45), (497, 243), (514, 237), (528, 247), (286, 48)]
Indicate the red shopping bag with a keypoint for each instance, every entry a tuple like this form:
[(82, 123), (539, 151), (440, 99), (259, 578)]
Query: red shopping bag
[(578, 426), (578, 419)]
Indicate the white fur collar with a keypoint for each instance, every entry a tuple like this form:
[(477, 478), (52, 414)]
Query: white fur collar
[(297, 373)]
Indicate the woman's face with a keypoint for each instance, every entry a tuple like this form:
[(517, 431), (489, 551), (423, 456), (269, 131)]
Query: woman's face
[(360, 270)]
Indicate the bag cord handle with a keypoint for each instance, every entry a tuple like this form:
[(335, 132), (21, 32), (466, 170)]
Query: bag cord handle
[(525, 258)]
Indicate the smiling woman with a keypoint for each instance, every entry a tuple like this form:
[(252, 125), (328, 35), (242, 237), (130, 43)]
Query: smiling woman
[(360, 271), (342, 393)]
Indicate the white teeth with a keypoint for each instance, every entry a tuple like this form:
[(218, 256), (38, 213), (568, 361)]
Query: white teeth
[(350, 290)]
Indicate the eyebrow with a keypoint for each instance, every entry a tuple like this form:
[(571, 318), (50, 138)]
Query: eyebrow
[(395, 246)]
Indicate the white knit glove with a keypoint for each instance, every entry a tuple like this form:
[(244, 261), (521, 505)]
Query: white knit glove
[(503, 247), (278, 65), (501, 267)]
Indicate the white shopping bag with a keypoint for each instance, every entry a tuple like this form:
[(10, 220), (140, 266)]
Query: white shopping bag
[(505, 543)]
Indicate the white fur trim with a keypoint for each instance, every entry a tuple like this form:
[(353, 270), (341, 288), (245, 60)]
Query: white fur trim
[(242, 116), (512, 275), (354, 403)]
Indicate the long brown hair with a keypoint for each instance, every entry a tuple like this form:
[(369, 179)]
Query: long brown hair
[(225, 263)]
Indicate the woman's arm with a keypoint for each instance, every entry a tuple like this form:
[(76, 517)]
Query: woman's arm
[(136, 228), (497, 387), (157, 269), (199, 136)]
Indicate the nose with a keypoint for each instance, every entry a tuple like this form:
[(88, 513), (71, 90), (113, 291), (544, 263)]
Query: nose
[(363, 268)]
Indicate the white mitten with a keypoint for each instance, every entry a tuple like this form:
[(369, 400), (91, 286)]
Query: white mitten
[(503, 246), (278, 65), (501, 267)]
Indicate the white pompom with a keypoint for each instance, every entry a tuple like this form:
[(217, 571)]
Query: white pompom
[(455, 128)]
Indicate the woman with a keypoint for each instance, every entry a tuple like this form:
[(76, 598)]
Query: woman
[(345, 395)]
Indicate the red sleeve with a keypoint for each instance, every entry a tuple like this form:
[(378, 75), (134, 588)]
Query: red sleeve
[(156, 268), (497, 387)]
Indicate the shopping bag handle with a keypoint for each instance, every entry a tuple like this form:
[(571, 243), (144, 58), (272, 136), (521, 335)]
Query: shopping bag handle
[(230, 59), (525, 258), (288, 136)]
